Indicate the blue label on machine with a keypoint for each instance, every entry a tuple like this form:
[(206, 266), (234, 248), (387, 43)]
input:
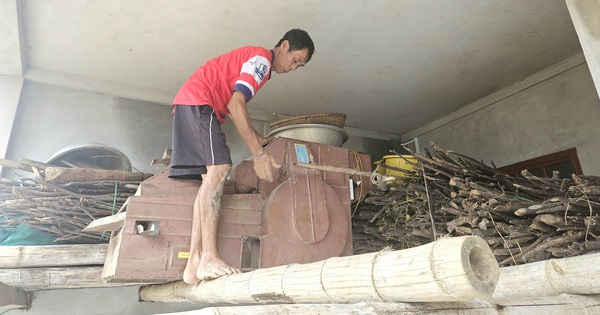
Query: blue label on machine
[(302, 153)]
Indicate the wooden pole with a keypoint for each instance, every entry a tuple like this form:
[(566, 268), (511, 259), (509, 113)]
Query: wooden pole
[(32, 279), (51, 255), (450, 269)]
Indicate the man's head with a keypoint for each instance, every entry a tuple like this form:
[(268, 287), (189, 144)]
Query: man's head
[(293, 50)]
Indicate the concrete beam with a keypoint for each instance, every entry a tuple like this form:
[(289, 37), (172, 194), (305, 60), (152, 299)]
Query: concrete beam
[(586, 19), (95, 85), (12, 298), (10, 89), (11, 63)]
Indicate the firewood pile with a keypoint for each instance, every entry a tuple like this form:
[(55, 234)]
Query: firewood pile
[(63, 208), (524, 219)]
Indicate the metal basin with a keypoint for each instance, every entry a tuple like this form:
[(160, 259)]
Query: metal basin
[(91, 155), (318, 133)]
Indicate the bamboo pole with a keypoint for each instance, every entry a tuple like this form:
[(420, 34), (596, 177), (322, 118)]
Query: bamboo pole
[(277, 309), (553, 277), (361, 308), (450, 269), (577, 304)]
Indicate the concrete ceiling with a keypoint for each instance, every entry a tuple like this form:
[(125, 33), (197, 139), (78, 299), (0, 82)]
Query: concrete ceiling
[(390, 65)]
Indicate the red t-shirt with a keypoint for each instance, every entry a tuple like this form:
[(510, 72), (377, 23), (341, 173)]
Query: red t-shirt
[(245, 69)]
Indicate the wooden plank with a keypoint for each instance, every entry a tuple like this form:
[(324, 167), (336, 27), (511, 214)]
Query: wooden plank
[(12, 298), (110, 223), (51, 255), (63, 174), (112, 257), (57, 278)]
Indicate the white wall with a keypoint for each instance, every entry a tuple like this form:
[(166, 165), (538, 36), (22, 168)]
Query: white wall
[(50, 118), (557, 110)]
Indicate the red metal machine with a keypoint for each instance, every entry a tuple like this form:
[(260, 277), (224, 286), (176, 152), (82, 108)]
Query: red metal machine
[(304, 215)]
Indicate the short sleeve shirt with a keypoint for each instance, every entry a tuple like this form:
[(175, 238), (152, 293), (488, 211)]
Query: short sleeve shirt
[(245, 69)]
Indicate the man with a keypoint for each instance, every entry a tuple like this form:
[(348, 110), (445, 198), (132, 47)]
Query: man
[(219, 88)]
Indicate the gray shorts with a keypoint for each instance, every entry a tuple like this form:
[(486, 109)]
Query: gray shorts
[(197, 141)]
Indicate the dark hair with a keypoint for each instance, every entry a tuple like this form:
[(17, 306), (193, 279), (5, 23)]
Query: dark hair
[(298, 40)]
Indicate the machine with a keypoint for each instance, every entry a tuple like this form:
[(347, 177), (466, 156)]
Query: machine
[(304, 215)]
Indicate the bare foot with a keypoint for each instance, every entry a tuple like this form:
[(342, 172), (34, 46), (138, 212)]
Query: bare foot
[(189, 274), (212, 267)]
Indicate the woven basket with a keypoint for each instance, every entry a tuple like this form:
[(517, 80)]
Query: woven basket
[(332, 119)]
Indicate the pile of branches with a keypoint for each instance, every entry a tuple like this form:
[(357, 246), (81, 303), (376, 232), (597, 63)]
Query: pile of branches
[(524, 219), (61, 209)]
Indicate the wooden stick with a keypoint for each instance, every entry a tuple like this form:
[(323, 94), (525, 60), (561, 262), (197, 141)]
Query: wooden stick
[(31, 163), (344, 170), (62, 174), (14, 165)]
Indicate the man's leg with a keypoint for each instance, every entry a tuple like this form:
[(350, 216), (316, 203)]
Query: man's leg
[(209, 202), (191, 268), (204, 262)]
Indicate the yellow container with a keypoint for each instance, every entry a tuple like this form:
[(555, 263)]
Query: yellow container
[(396, 161)]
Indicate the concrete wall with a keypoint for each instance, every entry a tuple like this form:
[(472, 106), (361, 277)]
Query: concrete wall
[(556, 110)]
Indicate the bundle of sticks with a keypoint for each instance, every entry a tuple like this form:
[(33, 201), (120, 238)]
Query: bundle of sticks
[(63, 205), (523, 219)]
